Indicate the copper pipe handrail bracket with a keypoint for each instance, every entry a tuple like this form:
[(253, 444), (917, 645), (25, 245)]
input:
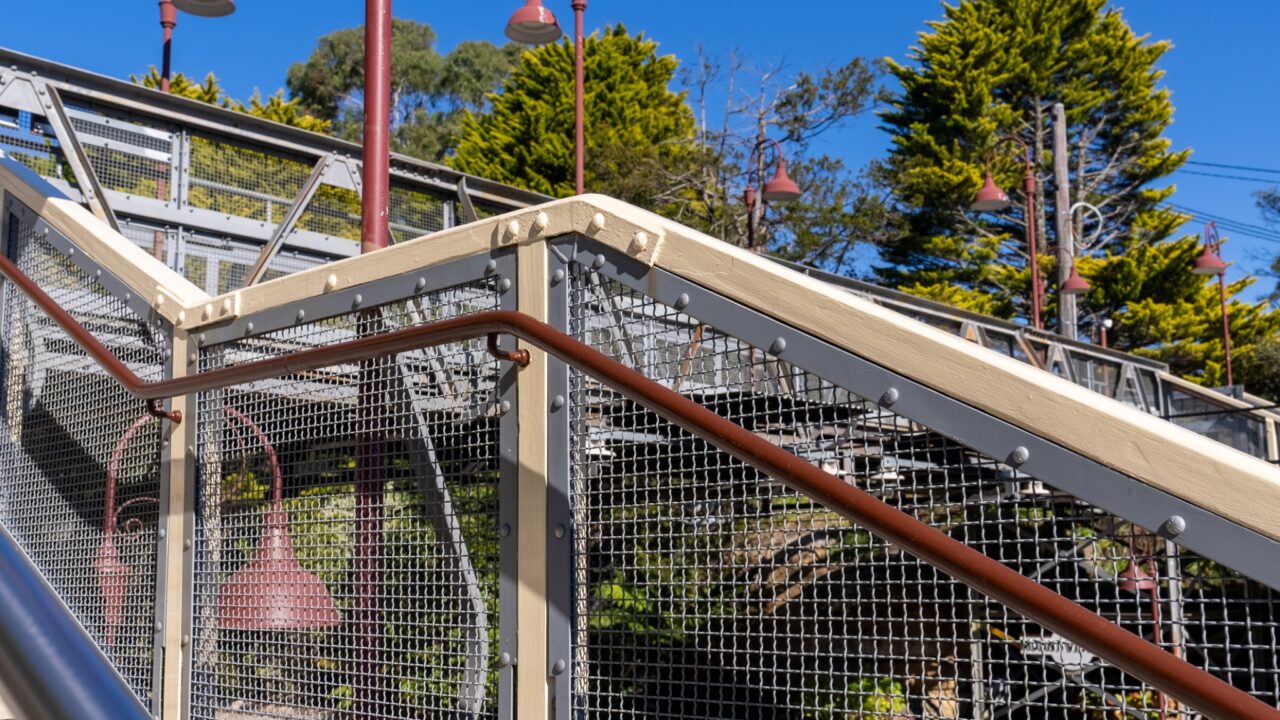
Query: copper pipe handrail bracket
[(1123, 649)]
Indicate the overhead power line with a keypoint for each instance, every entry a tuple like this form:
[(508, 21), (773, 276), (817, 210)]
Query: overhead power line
[(1222, 219), (1264, 181), (1231, 227), (1233, 167)]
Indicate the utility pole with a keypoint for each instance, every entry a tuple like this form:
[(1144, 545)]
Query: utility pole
[(1065, 229)]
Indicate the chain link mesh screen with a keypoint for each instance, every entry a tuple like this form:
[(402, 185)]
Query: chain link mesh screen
[(347, 528), (81, 479), (705, 590)]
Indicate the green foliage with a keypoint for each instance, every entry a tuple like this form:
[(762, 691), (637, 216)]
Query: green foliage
[(430, 93), (993, 67), (1257, 367), (834, 697), (274, 108), (634, 125)]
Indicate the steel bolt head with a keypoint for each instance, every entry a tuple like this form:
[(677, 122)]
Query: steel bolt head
[(1175, 525), (505, 530), (505, 284), (1019, 455), (682, 302), (302, 315), (560, 531), (491, 267), (557, 402), (598, 262), (186, 544), (558, 667), (557, 277), (186, 639), (890, 397), (597, 222), (778, 346), (504, 660)]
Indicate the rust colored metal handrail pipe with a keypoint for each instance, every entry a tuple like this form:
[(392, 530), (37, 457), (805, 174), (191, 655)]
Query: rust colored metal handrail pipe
[(1121, 648)]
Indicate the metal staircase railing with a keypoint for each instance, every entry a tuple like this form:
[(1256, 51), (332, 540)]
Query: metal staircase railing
[(1158, 667)]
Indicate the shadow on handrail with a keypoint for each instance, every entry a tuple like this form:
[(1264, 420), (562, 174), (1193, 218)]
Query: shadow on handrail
[(1121, 648)]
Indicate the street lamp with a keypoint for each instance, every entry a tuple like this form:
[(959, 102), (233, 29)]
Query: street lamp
[(533, 24), (1107, 324), (169, 19), (781, 188), (1074, 284), (1210, 263), (991, 198)]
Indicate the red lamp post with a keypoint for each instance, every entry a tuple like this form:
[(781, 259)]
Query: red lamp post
[(1210, 263), (781, 188), (991, 198), (169, 19), (533, 24)]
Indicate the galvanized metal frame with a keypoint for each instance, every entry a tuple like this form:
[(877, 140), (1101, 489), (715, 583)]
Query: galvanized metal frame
[(1204, 532), (559, 512), (508, 521)]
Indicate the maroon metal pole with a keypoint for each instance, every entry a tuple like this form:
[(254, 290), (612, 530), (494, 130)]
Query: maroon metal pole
[(579, 109), (168, 20), (370, 691), (1226, 321), (1036, 301)]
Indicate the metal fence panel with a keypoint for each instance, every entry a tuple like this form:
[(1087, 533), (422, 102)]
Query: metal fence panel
[(347, 526), (82, 458), (706, 590)]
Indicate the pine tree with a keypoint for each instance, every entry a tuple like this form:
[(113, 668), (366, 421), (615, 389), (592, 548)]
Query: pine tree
[(636, 127), (992, 68)]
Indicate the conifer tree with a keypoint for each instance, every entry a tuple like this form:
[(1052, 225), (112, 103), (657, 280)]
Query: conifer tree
[(992, 68), (635, 124)]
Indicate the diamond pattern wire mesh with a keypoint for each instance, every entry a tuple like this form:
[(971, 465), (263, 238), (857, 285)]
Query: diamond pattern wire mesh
[(236, 180), (32, 143), (70, 433), (705, 590), (385, 604)]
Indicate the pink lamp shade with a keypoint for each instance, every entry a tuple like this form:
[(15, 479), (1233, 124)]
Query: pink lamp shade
[(1075, 284), (206, 8), (272, 591), (781, 188), (1208, 263), (533, 24), (990, 198)]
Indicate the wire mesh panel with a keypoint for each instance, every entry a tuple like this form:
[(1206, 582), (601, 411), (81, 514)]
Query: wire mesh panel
[(81, 457), (241, 181), (347, 527), (126, 156), (704, 589)]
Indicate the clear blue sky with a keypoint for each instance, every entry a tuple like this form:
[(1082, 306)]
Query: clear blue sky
[(1221, 71)]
